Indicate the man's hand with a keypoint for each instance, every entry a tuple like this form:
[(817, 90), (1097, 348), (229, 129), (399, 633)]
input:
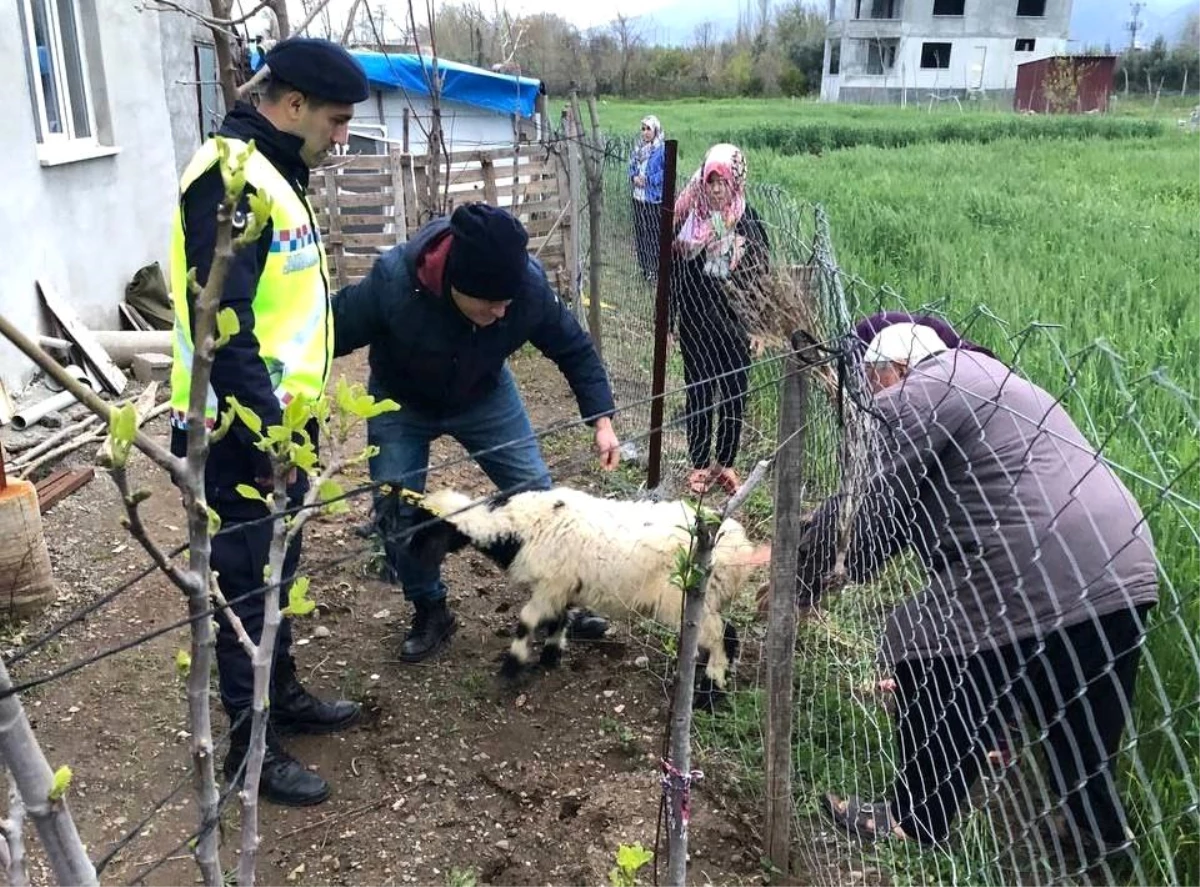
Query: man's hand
[(607, 445), (269, 483)]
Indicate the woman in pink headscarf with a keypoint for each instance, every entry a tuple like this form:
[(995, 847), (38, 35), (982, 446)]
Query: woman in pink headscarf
[(720, 243)]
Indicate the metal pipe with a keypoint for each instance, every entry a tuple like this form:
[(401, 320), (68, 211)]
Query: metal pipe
[(122, 345), (33, 414), (51, 343)]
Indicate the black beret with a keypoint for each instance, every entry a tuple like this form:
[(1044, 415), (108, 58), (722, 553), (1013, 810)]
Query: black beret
[(319, 68), (488, 252)]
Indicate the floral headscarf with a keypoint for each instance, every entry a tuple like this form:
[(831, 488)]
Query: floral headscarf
[(705, 229)]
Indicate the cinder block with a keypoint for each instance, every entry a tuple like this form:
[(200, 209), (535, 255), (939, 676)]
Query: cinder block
[(151, 367)]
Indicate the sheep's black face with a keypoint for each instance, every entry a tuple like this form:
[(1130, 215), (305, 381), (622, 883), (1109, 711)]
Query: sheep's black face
[(503, 551), (433, 539)]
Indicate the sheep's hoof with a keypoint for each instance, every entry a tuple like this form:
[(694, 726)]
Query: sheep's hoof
[(551, 656), (511, 667), (708, 695)]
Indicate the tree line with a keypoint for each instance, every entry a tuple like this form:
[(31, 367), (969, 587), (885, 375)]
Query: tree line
[(1161, 66), (774, 49)]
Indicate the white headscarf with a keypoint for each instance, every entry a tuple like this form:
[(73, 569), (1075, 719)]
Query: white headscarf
[(655, 127), (906, 343)]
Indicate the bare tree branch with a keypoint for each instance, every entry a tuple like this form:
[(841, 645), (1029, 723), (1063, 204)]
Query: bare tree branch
[(284, 33), (183, 580), (349, 29), (216, 24)]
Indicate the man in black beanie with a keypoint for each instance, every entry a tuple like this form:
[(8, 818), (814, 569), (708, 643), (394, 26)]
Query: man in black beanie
[(278, 283), (441, 315)]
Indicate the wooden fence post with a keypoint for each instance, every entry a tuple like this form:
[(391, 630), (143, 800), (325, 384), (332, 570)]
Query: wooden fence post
[(412, 209), (338, 252), (399, 203), (489, 180), (780, 647)]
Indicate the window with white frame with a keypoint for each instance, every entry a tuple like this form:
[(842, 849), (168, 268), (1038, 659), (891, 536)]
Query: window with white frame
[(58, 71)]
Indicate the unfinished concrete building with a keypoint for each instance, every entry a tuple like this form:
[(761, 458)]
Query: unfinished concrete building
[(900, 51)]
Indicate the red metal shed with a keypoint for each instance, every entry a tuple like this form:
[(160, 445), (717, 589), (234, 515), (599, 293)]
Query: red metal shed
[(1065, 84)]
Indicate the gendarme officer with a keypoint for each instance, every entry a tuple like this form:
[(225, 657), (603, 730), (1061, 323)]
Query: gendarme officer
[(279, 288)]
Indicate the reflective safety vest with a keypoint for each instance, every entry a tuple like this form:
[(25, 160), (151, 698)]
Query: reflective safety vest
[(293, 322)]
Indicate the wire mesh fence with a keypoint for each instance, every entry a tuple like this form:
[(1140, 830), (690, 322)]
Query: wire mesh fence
[(1052, 745), (983, 684)]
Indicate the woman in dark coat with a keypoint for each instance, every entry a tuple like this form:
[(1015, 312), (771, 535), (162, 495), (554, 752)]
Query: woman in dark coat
[(720, 248)]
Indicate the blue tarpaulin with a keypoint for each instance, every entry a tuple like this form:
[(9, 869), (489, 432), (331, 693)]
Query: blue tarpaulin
[(502, 93)]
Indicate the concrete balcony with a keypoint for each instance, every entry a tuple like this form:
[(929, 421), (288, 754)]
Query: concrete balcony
[(865, 28)]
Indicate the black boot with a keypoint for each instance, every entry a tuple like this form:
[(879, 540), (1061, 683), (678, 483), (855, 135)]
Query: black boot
[(584, 625), (432, 626), (295, 710), (284, 780)]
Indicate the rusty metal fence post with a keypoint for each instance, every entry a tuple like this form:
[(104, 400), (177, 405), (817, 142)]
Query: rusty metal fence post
[(658, 380)]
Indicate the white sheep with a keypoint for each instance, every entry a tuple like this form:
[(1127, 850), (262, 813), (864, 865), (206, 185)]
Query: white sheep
[(573, 549)]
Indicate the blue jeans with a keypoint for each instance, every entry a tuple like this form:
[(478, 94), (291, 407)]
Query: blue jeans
[(496, 432)]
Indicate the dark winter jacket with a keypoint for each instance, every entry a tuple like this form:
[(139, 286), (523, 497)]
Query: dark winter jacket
[(699, 307), (426, 355)]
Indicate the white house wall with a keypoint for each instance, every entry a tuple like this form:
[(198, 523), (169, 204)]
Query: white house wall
[(180, 36), (85, 226), (465, 126)]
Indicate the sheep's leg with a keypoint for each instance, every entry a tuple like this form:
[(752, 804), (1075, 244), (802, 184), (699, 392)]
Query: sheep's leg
[(719, 646), (556, 640), (535, 613)]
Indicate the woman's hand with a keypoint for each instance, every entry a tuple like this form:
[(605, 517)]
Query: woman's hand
[(639, 181)]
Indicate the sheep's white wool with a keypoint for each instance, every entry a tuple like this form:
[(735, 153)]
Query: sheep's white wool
[(610, 556)]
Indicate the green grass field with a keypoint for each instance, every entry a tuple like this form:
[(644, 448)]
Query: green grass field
[(1089, 225)]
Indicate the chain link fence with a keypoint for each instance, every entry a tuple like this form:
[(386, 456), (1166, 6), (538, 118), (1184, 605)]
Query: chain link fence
[(1052, 745)]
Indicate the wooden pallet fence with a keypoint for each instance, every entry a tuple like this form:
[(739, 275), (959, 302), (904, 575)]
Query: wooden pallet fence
[(367, 203)]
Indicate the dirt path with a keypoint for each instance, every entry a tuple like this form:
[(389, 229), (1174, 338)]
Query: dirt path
[(450, 777)]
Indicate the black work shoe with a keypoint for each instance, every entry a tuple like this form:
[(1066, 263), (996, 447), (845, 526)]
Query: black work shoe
[(432, 626), (584, 625), (284, 781), (295, 710)]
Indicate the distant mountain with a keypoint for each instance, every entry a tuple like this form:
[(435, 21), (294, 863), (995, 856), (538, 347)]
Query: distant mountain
[(1095, 23)]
